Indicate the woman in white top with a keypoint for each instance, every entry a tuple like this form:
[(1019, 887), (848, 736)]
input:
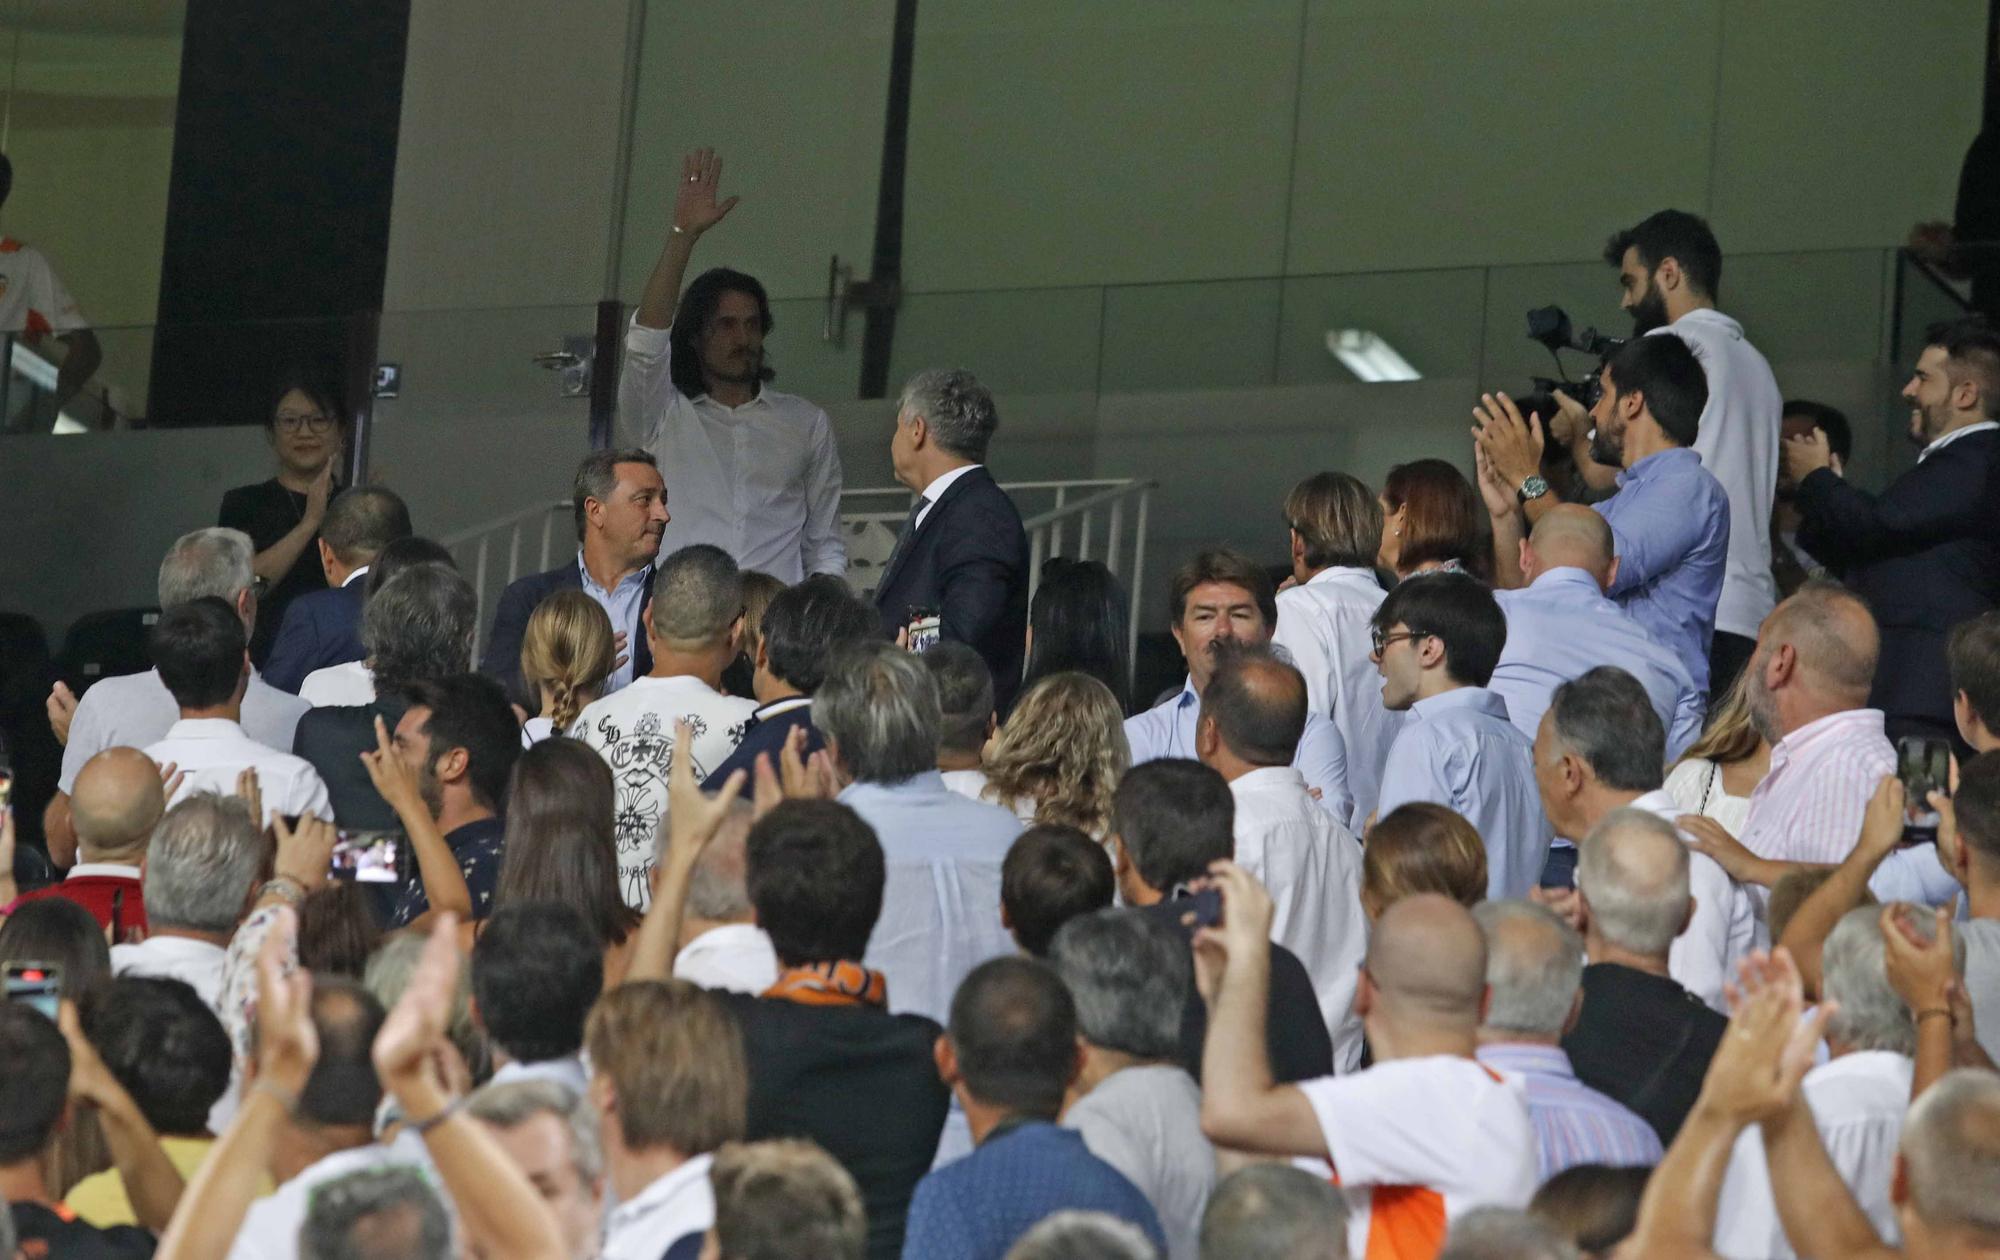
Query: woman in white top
[(1715, 776), (567, 652), (1060, 753)]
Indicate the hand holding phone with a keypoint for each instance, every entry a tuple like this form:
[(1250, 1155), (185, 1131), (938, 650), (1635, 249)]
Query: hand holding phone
[(368, 857), (926, 628), (1923, 763)]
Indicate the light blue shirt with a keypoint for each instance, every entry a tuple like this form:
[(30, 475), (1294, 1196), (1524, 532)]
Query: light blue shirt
[(941, 901), (1458, 749), (1670, 522), (1167, 730), (623, 606), (1561, 627)]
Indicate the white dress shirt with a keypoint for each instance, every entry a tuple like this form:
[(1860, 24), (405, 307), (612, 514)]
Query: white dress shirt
[(1561, 626), (761, 481), (270, 1229), (941, 899), (1459, 750), (676, 1205), (134, 710), (212, 752), (1738, 442), (198, 964), (935, 491), (1323, 625), (1857, 1101), (1311, 865), (633, 730), (1723, 928), (1167, 730), (348, 683), (971, 784), (736, 957)]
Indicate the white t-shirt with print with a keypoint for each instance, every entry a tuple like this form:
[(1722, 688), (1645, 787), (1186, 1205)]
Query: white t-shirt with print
[(33, 300)]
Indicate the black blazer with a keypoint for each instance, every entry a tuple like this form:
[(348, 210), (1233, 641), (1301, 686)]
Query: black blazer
[(320, 628), (333, 738), (510, 626), (1925, 554), (969, 559)]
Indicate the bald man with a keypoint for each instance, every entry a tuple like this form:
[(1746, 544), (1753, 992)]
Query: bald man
[(118, 799), (1807, 687), (1422, 1136), (1253, 712), (1561, 624), (1641, 1037)]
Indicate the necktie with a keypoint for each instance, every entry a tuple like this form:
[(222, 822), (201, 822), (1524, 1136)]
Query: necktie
[(903, 539)]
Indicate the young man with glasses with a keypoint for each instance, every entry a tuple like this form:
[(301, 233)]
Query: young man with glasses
[(1436, 640)]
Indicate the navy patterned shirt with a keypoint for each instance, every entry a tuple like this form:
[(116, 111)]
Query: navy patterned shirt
[(477, 846)]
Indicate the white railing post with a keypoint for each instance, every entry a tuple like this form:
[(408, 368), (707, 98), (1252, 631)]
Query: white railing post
[(542, 566), (479, 598), (1111, 543)]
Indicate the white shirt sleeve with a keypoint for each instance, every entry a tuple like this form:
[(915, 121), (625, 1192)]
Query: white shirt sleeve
[(824, 547), (1699, 958), (48, 298), (646, 383), (1322, 759), (1306, 651), (86, 738), (1374, 1125)]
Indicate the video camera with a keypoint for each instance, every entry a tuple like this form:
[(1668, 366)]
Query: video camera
[(1550, 326)]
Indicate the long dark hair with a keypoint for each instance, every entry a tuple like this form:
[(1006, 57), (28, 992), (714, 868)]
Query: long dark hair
[(698, 303), (561, 844), (1081, 620)]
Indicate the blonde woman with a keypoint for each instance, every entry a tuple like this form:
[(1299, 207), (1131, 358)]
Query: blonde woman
[(1717, 773), (1060, 754), (567, 652)]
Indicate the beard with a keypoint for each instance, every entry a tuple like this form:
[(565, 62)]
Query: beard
[(1930, 423), (1606, 448), (738, 369), (1650, 311), (1762, 705), (430, 789)]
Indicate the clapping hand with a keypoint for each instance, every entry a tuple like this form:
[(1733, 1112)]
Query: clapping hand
[(1511, 441), (695, 207), (406, 1049), (304, 852), (1922, 972), (1769, 1044), (61, 707), (797, 777)]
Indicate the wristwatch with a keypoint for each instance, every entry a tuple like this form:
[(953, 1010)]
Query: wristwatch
[(1533, 487)]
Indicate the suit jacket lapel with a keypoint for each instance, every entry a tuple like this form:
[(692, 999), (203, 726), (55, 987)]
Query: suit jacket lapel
[(951, 492)]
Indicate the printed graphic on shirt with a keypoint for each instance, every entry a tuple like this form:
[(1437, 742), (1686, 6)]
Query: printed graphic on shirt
[(640, 755)]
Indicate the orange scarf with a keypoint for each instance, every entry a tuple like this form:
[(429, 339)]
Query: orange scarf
[(831, 984)]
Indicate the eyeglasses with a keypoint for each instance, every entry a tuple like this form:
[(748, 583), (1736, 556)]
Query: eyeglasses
[(1377, 640), (317, 422)]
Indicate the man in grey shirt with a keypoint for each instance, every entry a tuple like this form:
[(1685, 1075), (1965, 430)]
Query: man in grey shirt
[(1136, 1106)]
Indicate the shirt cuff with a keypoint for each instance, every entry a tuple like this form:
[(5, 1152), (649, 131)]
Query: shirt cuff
[(640, 339)]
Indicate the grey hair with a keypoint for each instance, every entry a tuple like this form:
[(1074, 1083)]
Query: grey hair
[(880, 706), (1635, 903), (697, 593), (335, 1208), (1606, 718), (207, 562), (388, 973), (958, 409), (1951, 1146), (719, 887), (1534, 966), (203, 858), (1075, 1235), (1274, 1212), (513, 1103), (597, 477), (1497, 1233), (1870, 1015), (418, 627), (1130, 975)]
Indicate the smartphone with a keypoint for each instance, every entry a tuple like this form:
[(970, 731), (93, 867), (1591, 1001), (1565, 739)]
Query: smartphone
[(35, 983), (926, 627), (1923, 763), (368, 857)]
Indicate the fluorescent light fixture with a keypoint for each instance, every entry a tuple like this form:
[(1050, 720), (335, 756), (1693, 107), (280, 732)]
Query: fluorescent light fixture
[(1370, 358)]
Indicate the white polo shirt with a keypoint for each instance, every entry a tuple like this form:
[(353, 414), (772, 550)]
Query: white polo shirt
[(197, 964), (676, 1205), (33, 300), (212, 752), (1416, 1143)]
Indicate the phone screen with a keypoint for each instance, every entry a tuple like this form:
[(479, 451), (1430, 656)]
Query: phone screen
[(368, 857), (37, 984), (6, 786), (926, 627), (1924, 765)]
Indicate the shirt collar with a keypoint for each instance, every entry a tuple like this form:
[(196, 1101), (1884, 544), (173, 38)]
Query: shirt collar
[(1566, 578), (924, 783), (1848, 722), (1983, 426), (1478, 699), (729, 938), (1526, 1056), (1267, 779), (1344, 575), (765, 712), (590, 583), (358, 573), (942, 482), (663, 1191), (102, 870), (158, 948), (205, 728), (1659, 464)]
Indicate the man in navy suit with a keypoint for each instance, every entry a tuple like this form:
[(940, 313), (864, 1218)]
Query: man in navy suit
[(962, 553), (323, 628), (1923, 553), (620, 504)]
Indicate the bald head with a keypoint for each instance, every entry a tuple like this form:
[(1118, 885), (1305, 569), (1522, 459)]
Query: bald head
[(1632, 872), (1258, 704), (1833, 637), (1427, 959), (118, 799), (1571, 536)]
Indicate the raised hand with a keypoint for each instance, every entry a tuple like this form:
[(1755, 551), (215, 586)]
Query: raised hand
[(252, 794), (693, 816), (1882, 822), (1496, 494), (404, 1050), (321, 489), (304, 854), (695, 206), (62, 711), (90, 1081), (1571, 421), (1246, 910), (1510, 440), (1922, 972), (171, 778), (1768, 1046), (391, 777), (287, 1041)]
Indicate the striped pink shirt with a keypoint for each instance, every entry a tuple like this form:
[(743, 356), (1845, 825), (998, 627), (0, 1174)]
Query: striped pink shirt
[(1809, 806)]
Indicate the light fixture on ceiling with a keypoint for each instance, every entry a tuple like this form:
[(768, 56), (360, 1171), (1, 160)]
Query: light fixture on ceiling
[(1370, 358)]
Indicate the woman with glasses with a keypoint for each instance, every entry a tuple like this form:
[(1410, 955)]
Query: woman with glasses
[(308, 432)]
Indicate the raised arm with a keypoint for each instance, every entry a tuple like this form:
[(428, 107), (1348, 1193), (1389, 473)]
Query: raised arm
[(151, 1179), (1504, 511), (692, 819), (444, 882), (695, 211), (1845, 524)]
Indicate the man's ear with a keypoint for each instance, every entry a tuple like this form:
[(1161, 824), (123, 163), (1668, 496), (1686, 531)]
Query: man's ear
[(1430, 651), (1611, 574), (1781, 665), (1575, 1013), (1899, 1182), (1206, 737), (946, 1059), (1298, 546), (326, 556), (1668, 276), (454, 765), (763, 660), (1527, 561), (920, 431)]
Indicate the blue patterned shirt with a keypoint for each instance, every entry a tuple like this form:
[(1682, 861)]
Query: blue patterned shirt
[(1574, 1124), (978, 1207), (477, 846)]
